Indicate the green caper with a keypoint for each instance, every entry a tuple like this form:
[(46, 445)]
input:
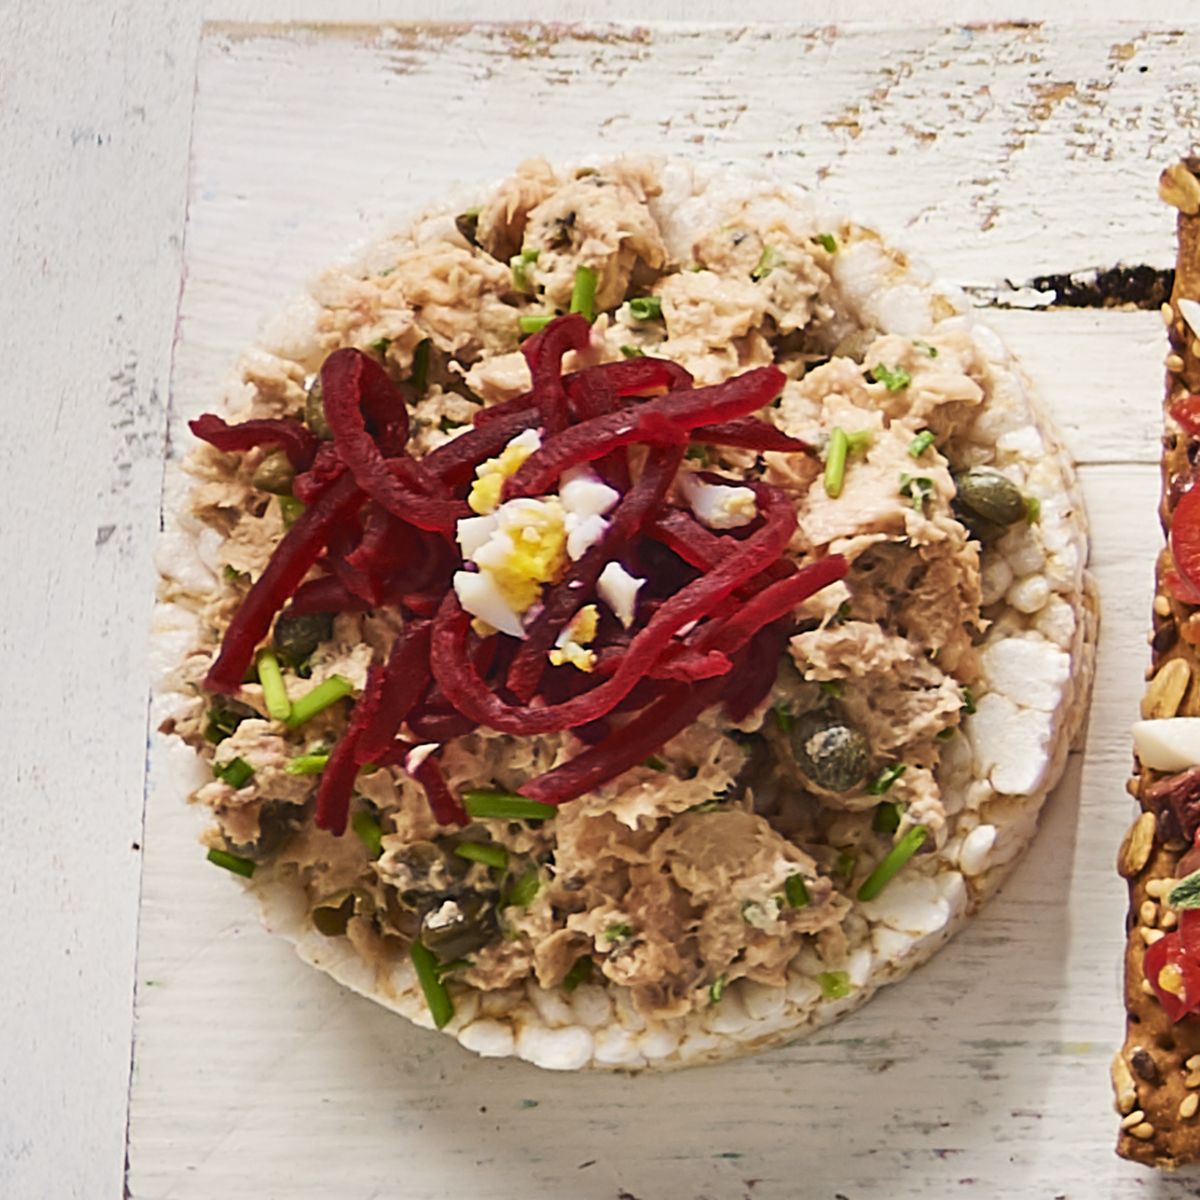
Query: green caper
[(854, 345), (314, 412), (457, 927), (831, 753), (989, 495), (331, 918), (275, 826), (296, 637), (274, 474)]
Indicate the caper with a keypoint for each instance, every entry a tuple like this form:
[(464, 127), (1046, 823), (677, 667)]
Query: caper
[(314, 412), (854, 345), (332, 919), (296, 637), (429, 872), (831, 753), (989, 495), (457, 927), (274, 474), (275, 826)]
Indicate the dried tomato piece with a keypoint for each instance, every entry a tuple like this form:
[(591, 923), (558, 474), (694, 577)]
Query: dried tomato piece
[(1186, 410), (1185, 538), (294, 556), (1174, 975), (294, 438)]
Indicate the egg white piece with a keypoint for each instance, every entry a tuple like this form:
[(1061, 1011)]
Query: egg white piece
[(718, 505), (618, 589)]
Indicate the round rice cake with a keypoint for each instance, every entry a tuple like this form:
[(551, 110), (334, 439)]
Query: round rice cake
[(754, 878)]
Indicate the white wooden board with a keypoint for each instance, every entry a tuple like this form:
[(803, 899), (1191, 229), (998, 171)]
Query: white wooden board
[(996, 153)]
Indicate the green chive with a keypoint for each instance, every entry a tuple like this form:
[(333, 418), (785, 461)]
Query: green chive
[(236, 772), (709, 805), (828, 241), (231, 573), (921, 442), (646, 308), (834, 984), (380, 345), (1033, 510), (239, 866), (918, 488), (858, 441), (490, 855), (716, 990), (291, 510), (467, 223), (583, 295), (930, 350), (884, 779), (441, 1007), (275, 696), (887, 817), (835, 462), (796, 891), (323, 696), (506, 806), (784, 721), (832, 687), (369, 831), (944, 735), (895, 379), (767, 262), (420, 366), (221, 723), (459, 964), (633, 352), (698, 453), (843, 866), (654, 763), (306, 764), (843, 612), (581, 972), (897, 856), (519, 264), (968, 704), (535, 322), (614, 933), (522, 893)]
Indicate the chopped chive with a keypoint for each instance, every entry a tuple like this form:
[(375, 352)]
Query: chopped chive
[(306, 764), (716, 990), (835, 462), (444, 969), (275, 696), (420, 366), (858, 441), (843, 866), (784, 721), (441, 1007), (1033, 510), (506, 806), (767, 262), (583, 295), (581, 972), (633, 352), (522, 893), (614, 933), (646, 308), (843, 611), (884, 779), (386, 272), (325, 694), (654, 763), (698, 453), (231, 573), (290, 509), (886, 818), (448, 426), (828, 242), (369, 831), (895, 379), (968, 704), (221, 724), (918, 488), (832, 687), (489, 855), (897, 856), (534, 322), (921, 442), (944, 735), (236, 772), (834, 984), (467, 223), (380, 346), (795, 891), (519, 264), (930, 350), (239, 866), (709, 805)]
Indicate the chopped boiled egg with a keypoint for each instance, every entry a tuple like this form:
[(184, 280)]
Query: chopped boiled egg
[(618, 589), (570, 645), (585, 499), (491, 473), (718, 505)]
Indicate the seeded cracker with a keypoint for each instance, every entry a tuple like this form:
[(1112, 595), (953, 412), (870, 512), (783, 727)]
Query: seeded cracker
[(804, 840), (1156, 1074)]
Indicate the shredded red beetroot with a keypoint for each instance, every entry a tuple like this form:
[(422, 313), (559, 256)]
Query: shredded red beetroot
[(293, 438), (709, 626)]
